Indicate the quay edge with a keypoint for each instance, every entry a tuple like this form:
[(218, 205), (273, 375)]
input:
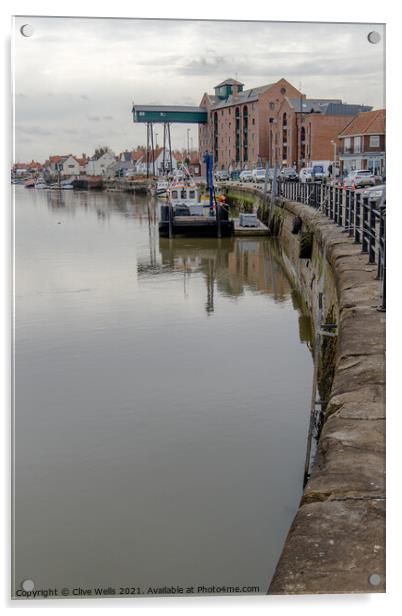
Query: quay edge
[(336, 543)]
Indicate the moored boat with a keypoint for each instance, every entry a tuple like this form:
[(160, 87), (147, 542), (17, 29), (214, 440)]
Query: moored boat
[(66, 185), (41, 184), (187, 213)]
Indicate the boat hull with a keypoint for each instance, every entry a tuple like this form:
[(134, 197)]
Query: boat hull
[(197, 226)]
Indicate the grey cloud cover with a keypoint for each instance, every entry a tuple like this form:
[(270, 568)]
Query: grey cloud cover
[(76, 73)]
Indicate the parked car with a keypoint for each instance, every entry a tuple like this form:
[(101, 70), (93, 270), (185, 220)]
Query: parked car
[(374, 195), (359, 179), (235, 175), (318, 173), (258, 175), (288, 174), (222, 176), (246, 176)]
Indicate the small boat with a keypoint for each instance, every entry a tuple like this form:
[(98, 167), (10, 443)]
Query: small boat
[(41, 184), (66, 185), (29, 184)]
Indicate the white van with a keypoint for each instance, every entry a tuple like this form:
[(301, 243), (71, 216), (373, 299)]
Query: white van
[(259, 175)]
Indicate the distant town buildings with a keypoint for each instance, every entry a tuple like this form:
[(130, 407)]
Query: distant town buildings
[(106, 164), (275, 123)]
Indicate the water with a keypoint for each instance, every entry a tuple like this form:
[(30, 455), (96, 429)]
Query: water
[(162, 400)]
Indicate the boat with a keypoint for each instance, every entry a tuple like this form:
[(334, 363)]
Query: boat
[(41, 184), (66, 185), (187, 213), (29, 183), (162, 187)]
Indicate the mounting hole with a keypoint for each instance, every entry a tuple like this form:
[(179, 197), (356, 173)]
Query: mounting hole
[(28, 585), (374, 579), (374, 37), (27, 30)]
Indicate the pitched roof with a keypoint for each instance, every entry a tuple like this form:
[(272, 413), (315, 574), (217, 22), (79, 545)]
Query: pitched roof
[(54, 159), (156, 153), (20, 166), (366, 123), (137, 155), (247, 96), (332, 107), (230, 82)]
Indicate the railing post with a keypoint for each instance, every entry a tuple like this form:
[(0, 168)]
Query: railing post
[(382, 251), (372, 219), (327, 198), (365, 224), (349, 210)]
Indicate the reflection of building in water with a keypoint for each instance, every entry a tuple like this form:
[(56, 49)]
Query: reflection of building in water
[(252, 265), (231, 267)]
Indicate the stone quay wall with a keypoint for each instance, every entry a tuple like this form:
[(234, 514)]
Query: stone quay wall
[(336, 543)]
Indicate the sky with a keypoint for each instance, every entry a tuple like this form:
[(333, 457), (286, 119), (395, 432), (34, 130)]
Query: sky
[(76, 79)]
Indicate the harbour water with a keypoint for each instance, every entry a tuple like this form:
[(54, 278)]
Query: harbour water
[(162, 393)]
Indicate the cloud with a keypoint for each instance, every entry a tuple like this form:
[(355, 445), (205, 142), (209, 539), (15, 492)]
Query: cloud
[(90, 71), (34, 130)]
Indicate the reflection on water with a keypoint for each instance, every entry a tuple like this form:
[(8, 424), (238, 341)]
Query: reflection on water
[(233, 266), (162, 399)]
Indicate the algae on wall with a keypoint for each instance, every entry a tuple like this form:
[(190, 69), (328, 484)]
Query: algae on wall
[(326, 361)]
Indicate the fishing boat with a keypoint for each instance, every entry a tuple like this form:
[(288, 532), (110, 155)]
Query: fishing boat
[(188, 213), (162, 187)]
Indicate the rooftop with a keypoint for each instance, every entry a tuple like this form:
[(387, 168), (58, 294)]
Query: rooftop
[(230, 82), (333, 107), (366, 123)]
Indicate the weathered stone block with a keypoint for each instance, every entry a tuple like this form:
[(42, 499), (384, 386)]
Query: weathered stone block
[(333, 547)]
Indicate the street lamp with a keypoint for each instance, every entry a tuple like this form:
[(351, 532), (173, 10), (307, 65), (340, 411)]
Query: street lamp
[(188, 141), (334, 161)]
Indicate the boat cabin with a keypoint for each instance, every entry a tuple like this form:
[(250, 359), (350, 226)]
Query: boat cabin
[(184, 195)]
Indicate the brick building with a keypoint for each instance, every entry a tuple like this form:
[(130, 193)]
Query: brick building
[(306, 130), (363, 143), (274, 123), (237, 128)]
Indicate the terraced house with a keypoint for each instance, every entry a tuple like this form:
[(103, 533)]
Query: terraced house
[(363, 143)]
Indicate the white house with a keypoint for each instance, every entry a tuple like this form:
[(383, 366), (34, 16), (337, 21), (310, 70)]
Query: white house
[(141, 166), (98, 166), (69, 166)]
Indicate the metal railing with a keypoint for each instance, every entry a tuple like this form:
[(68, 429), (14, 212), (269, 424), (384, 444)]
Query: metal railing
[(348, 209)]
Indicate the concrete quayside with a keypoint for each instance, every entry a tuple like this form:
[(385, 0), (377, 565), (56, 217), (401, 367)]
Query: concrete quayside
[(336, 543)]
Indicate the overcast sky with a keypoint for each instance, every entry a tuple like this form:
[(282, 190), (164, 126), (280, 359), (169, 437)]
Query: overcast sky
[(76, 79)]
